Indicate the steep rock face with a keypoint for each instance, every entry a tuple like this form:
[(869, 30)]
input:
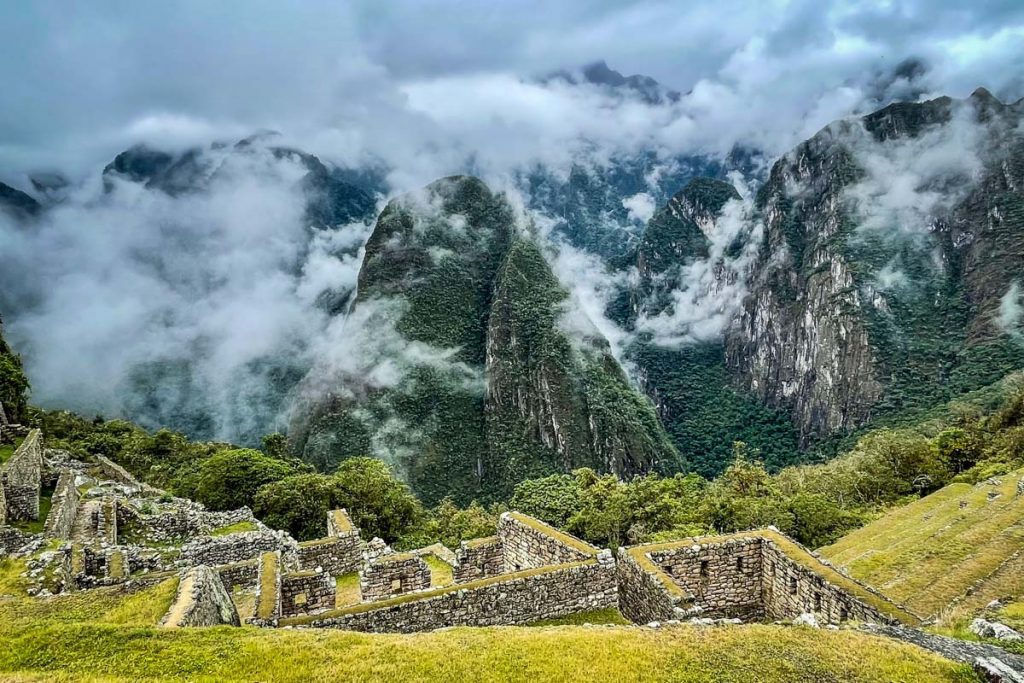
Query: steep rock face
[(548, 396), (876, 264), (478, 384), (689, 249)]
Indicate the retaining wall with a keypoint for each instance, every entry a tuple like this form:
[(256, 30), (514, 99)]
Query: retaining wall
[(218, 550), (528, 543)]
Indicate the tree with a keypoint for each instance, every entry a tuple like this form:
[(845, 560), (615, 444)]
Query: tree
[(230, 479), (299, 504), (378, 504), (554, 499)]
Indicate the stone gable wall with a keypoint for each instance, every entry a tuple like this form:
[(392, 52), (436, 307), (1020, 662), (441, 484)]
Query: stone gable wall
[(65, 505), (22, 478), (478, 559), (531, 544), (391, 575), (723, 578), (307, 593), (517, 600)]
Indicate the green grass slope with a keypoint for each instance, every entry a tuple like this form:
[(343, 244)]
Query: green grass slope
[(109, 635), (930, 553)]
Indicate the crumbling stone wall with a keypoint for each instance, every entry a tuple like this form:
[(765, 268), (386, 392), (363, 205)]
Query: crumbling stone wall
[(21, 477), (524, 598), (340, 524), (218, 550), (61, 519), (307, 593), (184, 520), (394, 574), (335, 555), (12, 539), (478, 559), (723, 578), (528, 543)]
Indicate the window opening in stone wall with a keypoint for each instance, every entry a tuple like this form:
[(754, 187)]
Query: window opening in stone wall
[(843, 614), (396, 585), (817, 602), (704, 568), (792, 585), (739, 564)]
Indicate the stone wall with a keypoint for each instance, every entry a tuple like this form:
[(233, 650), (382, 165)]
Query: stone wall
[(3, 506), (267, 608), (335, 555), (391, 575), (307, 593), (750, 577), (340, 524), (523, 598), (218, 550), (243, 574), (643, 597), (478, 558), (790, 590), (181, 521), (64, 506), (21, 478), (201, 600), (12, 539), (528, 543), (724, 578)]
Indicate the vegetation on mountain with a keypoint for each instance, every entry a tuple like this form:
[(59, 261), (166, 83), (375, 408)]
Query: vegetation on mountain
[(14, 384)]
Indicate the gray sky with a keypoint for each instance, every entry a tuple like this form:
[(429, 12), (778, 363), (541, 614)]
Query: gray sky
[(391, 77)]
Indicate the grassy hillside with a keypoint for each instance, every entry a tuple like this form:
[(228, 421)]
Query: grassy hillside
[(111, 636), (929, 553)]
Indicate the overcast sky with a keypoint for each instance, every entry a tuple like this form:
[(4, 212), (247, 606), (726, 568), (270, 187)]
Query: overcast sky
[(81, 80)]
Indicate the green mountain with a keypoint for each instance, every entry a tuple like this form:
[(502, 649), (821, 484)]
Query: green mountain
[(485, 384), (891, 244)]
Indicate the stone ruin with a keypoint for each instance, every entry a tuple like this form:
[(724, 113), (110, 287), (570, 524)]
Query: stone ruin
[(116, 531)]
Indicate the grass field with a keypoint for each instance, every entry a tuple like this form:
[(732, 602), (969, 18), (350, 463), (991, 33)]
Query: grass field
[(106, 635), (929, 553)]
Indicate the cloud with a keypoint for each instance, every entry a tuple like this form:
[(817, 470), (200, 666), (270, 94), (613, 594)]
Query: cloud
[(1011, 310), (706, 293), (640, 206)]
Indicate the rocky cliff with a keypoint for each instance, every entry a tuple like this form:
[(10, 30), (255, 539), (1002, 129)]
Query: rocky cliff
[(485, 385), (890, 244)]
